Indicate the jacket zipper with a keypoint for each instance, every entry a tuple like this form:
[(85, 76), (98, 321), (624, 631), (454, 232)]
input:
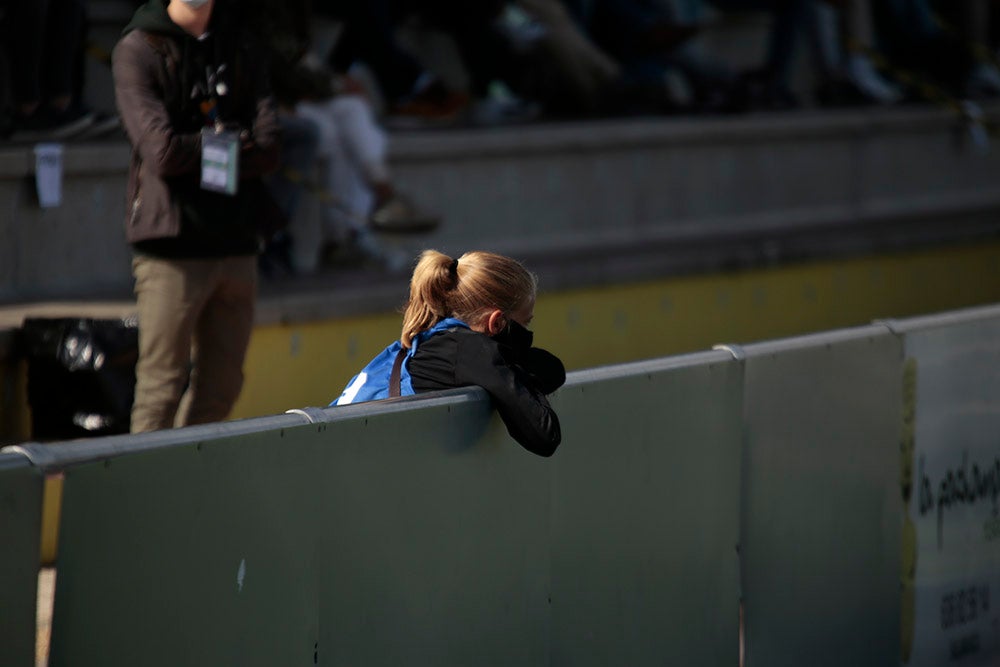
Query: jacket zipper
[(133, 218)]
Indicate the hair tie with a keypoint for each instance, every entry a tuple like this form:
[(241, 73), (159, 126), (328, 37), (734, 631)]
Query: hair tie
[(453, 269)]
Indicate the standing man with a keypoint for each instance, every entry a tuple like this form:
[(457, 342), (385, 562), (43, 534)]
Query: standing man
[(192, 95)]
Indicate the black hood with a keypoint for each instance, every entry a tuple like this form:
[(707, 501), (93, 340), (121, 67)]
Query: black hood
[(152, 17)]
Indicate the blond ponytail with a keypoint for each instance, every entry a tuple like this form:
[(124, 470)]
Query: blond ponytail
[(468, 288), (428, 304)]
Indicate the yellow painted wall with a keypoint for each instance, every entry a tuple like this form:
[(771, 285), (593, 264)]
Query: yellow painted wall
[(14, 416), (296, 365)]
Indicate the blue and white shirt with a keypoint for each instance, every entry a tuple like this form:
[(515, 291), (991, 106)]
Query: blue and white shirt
[(372, 383)]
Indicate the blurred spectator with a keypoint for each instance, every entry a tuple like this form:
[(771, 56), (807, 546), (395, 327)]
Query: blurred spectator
[(650, 38), (844, 36), (364, 199), (914, 40), (642, 36), (369, 36), (572, 76), (182, 73), (42, 39), (411, 90), (836, 32), (970, 21), (769, 85), (299, 151), (330, 118)]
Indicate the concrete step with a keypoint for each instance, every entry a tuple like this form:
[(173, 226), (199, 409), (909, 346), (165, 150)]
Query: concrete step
[(636, 198)]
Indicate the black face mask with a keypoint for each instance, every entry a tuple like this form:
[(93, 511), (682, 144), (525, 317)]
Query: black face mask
[(515, 336)]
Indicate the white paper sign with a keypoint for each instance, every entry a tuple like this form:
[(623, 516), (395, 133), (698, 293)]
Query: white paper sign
[(49, 174)]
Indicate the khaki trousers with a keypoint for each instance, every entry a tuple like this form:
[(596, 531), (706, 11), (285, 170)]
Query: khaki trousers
[(195, 319)]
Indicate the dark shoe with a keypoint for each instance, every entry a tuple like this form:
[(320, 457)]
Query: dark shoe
[(665, 36), (434, 106), (502, 107), (839, 93), (871, 84), (758, 90), (983, 82)]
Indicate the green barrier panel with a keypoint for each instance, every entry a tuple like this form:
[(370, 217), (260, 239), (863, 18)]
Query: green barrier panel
[(645, 516), (435, 552), (821, 507), (407, 537), (20, 528), (196, 554), (951, 465), (418, 532)]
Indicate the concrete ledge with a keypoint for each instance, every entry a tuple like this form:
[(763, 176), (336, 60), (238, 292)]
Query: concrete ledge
[(79, 159), (522, 141), (586, 203), (598, 135)]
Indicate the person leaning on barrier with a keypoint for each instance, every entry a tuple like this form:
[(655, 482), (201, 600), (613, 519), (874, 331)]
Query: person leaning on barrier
[(193, 97), (466, 325)]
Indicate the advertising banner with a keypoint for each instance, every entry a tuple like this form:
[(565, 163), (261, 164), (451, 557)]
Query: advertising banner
[(951, 485)]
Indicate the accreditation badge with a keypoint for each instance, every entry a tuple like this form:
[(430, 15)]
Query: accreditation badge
[(220, 153)]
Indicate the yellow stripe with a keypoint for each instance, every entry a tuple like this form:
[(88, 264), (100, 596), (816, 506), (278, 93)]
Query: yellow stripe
[(298, 365), (51, 510)]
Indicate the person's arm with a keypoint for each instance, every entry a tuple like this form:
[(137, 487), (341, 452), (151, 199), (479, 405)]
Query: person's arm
[(143, 112), (261, 153), (525, 411), (540, 368)]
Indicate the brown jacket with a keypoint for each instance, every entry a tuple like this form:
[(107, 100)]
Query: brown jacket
[(155, 72)]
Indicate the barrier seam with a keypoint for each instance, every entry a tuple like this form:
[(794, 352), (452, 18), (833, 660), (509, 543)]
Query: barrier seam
[(23, 451), (312, 414), (739, 354), (891, 324)]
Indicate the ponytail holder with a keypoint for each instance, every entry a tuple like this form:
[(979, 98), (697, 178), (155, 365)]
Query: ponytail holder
[(453, 269)]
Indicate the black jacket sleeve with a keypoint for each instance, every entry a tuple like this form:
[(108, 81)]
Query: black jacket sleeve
[(460, 358), (529, 418), (539, 368)]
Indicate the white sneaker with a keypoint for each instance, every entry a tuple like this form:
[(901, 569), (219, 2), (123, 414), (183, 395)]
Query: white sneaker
[(501, 107), (862, 73), (983, 81)]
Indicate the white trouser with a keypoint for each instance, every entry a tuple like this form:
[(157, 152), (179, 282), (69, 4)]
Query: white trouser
[(354, 148)]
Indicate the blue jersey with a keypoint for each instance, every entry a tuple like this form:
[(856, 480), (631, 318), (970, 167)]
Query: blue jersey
[(372, 383)]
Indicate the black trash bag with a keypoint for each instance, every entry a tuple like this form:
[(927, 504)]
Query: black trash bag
[(81, 375)]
